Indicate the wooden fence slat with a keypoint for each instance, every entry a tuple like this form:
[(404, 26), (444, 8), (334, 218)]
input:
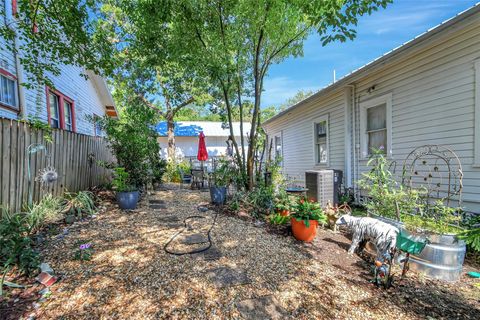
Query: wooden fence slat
[(68, 154)]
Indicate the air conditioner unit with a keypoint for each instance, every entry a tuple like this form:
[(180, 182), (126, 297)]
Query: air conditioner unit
[(324, 185)]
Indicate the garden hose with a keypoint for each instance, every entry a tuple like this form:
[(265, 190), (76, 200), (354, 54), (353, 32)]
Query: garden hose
[(165, 247)]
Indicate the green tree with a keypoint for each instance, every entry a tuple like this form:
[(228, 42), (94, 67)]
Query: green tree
[(47, 34), (238, 41)]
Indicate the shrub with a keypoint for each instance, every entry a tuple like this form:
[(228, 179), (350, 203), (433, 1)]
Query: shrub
[(173, 170), (48, 210), (133, 141), (16, 247)]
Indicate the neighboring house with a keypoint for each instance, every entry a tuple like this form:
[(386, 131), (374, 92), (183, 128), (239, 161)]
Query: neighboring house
[(67, 106), (426, 91), (186, 137)]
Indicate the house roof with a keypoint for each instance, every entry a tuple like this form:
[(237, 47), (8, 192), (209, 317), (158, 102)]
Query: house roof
[(104, 94), (209, 128), (386, 58)]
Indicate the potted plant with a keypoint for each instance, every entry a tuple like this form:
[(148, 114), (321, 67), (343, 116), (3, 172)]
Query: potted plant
[(218, 183), (305, 217), (127, 196)]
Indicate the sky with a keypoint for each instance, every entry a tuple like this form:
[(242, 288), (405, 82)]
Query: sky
[(377, 34)]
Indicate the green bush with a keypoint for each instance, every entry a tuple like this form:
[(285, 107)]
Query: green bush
[(133, 141), (172, 170), (16, 246)]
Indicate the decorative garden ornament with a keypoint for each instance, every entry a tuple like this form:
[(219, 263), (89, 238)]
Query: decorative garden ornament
[(47, 176)]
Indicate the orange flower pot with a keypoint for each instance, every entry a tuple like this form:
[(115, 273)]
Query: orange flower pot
[(301, 232)]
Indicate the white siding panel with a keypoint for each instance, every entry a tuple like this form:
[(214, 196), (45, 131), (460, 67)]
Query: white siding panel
[(433, 100), (297, 131)]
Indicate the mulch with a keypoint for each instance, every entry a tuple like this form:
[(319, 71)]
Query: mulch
[(130, 276)]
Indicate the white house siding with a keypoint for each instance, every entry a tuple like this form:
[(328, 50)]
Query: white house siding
[(7, 62), (297, 133), (433, 101), (432, 87), (70, 83), (82, 91), (188, 146)]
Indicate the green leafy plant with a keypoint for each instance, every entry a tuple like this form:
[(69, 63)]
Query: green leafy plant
[(282, 201), (48, 210), (16, 245), (306, 210), (84, 251), (386, 197), (120, 180), (133, 141), (173, 170), (278, 219), (79, 203)]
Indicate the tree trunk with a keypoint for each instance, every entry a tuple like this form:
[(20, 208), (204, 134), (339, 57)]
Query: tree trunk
[(171, 138)]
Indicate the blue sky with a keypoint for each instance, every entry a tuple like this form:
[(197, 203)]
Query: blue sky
[(376, 34)]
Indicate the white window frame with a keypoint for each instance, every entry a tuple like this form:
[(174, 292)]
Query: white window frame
[(364, 106), (15, 93), (314, 124), (476, 141), (279, 136)]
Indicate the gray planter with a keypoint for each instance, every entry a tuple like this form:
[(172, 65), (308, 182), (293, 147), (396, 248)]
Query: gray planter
[(127, 200), (441, 259), (218, 195)]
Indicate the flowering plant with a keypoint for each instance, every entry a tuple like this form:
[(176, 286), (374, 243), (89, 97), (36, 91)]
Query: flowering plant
[(84, 251), (306, 210)]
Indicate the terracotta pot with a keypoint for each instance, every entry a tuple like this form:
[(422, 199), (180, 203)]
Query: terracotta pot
[(301, 232)]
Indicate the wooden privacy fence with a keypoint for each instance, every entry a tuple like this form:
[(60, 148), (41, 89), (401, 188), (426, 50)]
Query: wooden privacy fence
[(74, 157)]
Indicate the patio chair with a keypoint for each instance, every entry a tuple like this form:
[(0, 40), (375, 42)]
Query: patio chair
[(198, 178)]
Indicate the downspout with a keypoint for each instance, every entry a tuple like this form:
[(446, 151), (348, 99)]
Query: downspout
[(10, 22), (354, 139)]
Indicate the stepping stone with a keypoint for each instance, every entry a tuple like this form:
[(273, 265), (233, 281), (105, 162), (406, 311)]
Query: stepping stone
[(157, 206), (227, 277), (209, 255), (266, 307), (195, 238), (157, 201)]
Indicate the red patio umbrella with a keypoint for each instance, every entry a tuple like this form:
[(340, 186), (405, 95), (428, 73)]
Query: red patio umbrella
[(202, 154)]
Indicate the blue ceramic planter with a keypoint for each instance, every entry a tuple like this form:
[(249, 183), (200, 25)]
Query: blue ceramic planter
[(218, 194), (127, 200)]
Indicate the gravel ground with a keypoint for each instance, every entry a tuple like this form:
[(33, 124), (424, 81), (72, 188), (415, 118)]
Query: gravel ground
[(130, 276)]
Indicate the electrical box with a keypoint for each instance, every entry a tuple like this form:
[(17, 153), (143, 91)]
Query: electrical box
[(324, 186)]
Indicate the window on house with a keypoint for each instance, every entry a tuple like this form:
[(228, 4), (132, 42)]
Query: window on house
[(7, 91), (97, 128), (61, 113), (278, 146), (376, 125), (68, 115), (321, 151), (377, 128), (54, 110)]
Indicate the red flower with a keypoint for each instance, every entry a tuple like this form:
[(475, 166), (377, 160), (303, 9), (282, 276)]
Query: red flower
[(302, 201)]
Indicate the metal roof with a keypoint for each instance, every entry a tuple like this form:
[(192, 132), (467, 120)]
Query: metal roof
[(385, 58), (209, 128)]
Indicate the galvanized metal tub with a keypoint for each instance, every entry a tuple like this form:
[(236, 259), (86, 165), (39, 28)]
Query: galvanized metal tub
[(441, 259)]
